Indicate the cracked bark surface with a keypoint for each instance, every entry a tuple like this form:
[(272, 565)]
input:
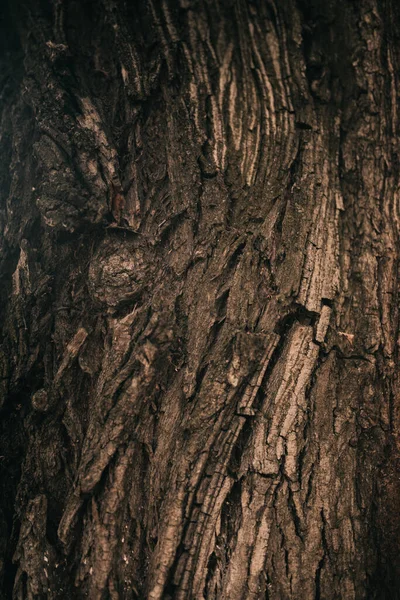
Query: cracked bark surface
[(199, 218)]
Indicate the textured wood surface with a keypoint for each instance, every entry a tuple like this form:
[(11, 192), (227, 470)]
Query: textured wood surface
[(199, 234)]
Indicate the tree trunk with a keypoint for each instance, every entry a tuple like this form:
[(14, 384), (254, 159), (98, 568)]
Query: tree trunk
[(199, 221)]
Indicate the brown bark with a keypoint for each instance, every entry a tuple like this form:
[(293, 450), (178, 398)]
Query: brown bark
[(199, 220)]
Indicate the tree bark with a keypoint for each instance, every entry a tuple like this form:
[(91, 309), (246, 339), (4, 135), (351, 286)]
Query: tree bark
[(199, 220)]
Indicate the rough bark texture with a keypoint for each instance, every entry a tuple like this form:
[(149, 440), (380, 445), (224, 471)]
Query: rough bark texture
[(199, 221)]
